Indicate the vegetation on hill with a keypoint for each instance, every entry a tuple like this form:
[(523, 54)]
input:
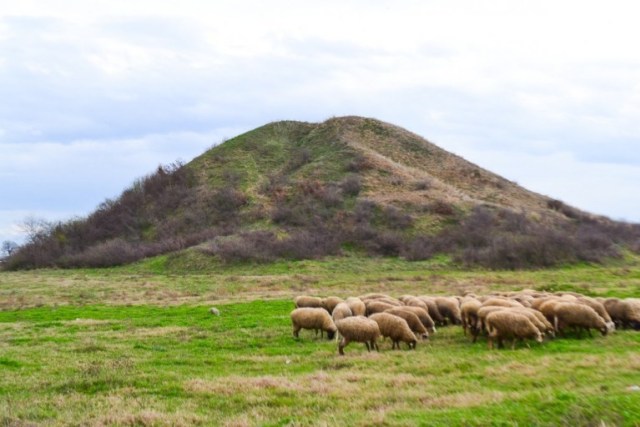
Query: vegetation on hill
[(292, 190)]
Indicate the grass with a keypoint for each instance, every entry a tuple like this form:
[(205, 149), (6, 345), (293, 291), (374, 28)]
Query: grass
[(137, 346)]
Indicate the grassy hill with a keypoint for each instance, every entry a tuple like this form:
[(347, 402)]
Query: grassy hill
[(294, 190)]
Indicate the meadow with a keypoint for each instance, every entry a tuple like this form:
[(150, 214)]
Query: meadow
[(137, 345)]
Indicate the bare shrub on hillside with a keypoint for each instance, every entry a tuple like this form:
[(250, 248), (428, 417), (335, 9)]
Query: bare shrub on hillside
[(440, 207), (419, 249), (396, 218), (351, 185)]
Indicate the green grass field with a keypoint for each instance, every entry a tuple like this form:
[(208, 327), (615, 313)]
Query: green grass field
[(137, 346)]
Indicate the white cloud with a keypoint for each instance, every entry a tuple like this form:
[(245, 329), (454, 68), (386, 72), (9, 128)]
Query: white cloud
[(134, 84)]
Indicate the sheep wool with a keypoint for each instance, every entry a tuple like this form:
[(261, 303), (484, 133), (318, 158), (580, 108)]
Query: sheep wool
[(412, 320), (341, 311), (312, 318), (503, 324), (396, 329), (307, 301), (358, 329), (357, 306), (578, 316)]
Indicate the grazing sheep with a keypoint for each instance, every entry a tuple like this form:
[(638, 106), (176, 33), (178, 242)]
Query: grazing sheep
[(214, 311), (450, 309), (625, 313), (377, 307), (599, 308), (392, 301), (412, 320), (358, 329), (482, 314), (549, 308), (395, 328), (307, 301), (536, 318), (432, 309), (416, 302), (341, 311), (357, 306), (329, 303), (373, 295), (502, 302), (423, 315), (578, 316), (469, 314), (503, 324), (312, 318)]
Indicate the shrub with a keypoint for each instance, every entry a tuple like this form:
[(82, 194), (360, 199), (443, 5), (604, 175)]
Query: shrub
[(351, 185), (419, 249)]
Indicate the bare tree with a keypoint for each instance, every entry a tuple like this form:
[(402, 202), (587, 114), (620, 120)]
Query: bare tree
[(8, 247), (35, 228)]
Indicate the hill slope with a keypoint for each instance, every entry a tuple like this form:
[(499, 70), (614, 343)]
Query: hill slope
[(303, 190)]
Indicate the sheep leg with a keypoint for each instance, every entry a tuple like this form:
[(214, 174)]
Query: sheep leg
[(368, 347), (342, 345), (589, 331), (513, 344), (375, 345), (296, 331)]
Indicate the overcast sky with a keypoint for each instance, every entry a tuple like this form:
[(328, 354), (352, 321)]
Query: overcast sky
[(97, 93)]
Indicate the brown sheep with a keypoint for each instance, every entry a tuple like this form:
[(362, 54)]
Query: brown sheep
[(416, 302), (341, 311), (423, 315), (432, 309), (503, 324), (536, 318), (377, 307), (358, 329), (357, 306), (450, 309), (329, 303), (469, 314), (482, 314), (625, 313), (412, 320), (307, 301), (502, 302), (578, 316), (312, 318), (599, 308), (395, 328)]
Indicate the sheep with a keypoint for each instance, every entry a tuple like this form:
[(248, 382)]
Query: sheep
[(416, 302), (579, 316), (432, 309), (358, 329), (412, 320), (536, 318), (395, 328), (625, 313), (307, 301), (450, 309), (481, 315), (341, 311), (599, 308), (469, 314), (502, 302), (357, 306), (312, 318), (423, 315), (329, 303), (377, 307), (503, 324)]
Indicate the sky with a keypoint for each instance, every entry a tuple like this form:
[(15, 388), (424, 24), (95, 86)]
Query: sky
[(98, 93)]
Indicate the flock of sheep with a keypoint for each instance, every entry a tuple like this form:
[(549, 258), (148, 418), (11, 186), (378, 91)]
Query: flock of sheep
[(521, 315)]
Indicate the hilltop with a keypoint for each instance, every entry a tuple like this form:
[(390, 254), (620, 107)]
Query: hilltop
[(305, 190)]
